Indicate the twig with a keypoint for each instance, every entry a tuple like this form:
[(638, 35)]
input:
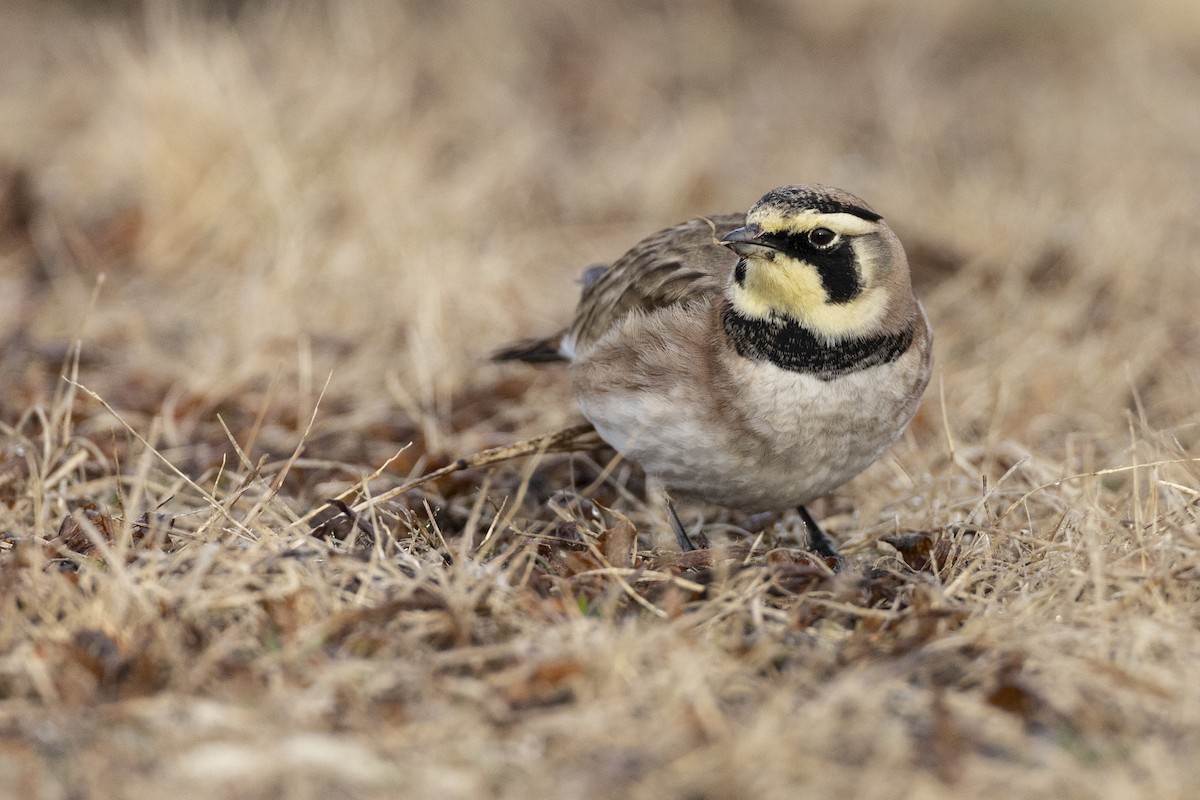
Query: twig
[(576, 437)]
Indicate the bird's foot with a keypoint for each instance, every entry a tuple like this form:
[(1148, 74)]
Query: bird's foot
[(818, 541), (681, 535)]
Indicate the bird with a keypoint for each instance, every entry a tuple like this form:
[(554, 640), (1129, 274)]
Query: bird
[(755, 361)]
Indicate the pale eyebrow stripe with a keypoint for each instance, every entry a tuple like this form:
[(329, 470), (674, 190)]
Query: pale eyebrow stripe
[(838, 221)]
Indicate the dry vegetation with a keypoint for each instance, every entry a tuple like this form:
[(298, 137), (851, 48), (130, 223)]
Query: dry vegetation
[(286, 237)]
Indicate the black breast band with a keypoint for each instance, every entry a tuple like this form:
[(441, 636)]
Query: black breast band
[(789, 345)]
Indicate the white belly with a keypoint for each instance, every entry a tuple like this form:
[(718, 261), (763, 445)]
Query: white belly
[(791, 439)]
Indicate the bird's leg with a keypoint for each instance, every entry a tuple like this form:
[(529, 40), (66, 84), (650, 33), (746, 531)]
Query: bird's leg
[(818, 542), (685, 543)]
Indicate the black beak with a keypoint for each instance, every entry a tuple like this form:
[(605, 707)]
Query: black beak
[(743, 241)]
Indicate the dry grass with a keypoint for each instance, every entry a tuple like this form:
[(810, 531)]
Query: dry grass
[(312, 222)]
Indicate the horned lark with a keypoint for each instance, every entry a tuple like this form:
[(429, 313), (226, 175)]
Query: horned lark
[(758, 370)]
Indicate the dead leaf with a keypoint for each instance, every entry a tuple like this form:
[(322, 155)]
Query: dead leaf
[(149, 530), (1014, 694), (547, 683), (793, 571), (117, 667), (915, 548), (566, 534), (619, 542), (879, 587), (574, 563), (73, 534)]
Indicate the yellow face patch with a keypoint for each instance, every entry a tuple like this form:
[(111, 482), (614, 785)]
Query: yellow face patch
[(777, 284)]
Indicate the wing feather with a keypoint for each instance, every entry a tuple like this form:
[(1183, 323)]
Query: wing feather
[(676, 265)]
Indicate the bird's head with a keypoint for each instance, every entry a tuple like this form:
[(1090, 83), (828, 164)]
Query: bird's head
[(821, 257)]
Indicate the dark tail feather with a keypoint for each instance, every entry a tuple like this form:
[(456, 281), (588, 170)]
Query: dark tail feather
[(533, 351)]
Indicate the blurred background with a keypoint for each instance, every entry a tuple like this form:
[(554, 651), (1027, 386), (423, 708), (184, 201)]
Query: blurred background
[(275, 192), (248, 212)]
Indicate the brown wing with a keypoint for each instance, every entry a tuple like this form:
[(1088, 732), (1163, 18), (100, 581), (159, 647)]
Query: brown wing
[(672, 266)]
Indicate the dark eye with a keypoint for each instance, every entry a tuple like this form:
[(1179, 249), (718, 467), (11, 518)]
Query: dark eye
[(822, 238)]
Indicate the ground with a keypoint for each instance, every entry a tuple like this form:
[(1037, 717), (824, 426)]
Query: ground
[(253, 256)]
